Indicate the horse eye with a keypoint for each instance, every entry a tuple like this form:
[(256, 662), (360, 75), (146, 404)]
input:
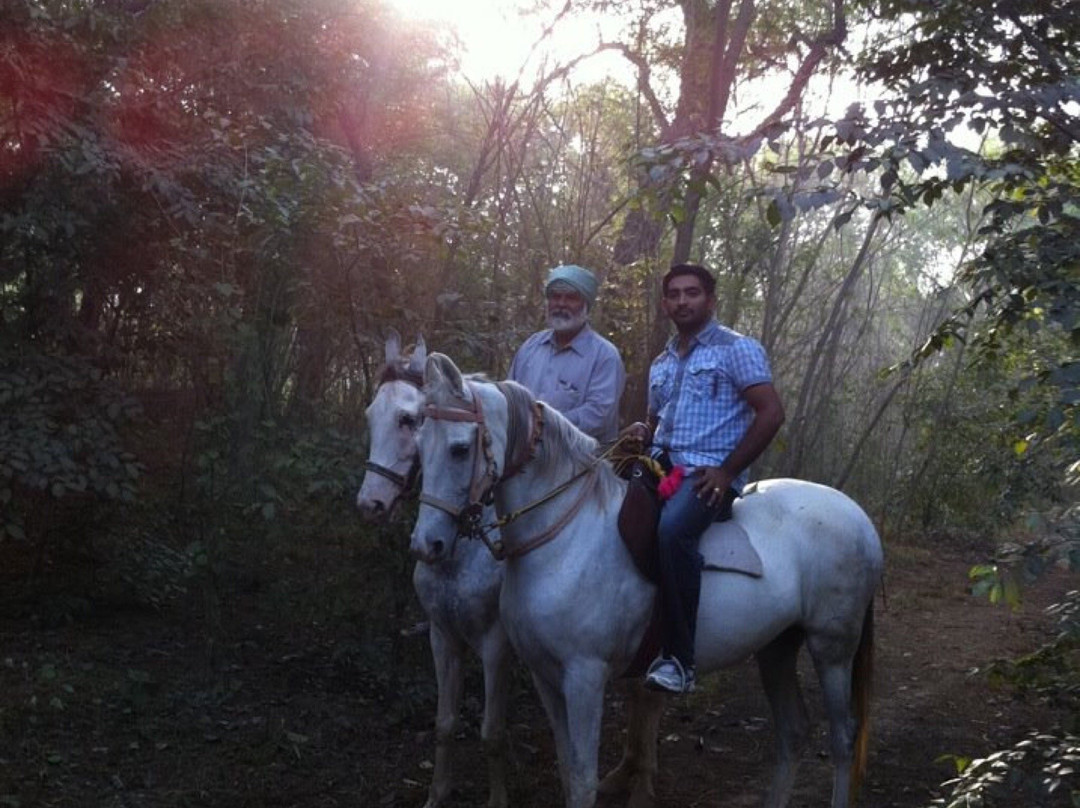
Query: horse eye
[(407, 421), (459, 451)]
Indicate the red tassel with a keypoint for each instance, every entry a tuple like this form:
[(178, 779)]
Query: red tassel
[(670, 482)]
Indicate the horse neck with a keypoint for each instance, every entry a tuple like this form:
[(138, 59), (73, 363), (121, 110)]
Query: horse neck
[(534, 483)]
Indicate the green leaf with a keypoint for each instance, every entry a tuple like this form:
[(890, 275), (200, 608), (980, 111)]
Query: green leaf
[(996, 592), (772, 214), (959, 762)]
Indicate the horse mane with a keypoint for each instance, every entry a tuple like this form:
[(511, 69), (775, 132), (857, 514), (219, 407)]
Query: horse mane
[(560, 440)]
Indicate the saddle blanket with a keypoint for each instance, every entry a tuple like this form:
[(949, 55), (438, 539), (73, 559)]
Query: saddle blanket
[(726, 548)]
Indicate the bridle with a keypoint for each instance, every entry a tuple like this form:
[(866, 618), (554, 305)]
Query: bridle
[(407, 481), (483, 481)]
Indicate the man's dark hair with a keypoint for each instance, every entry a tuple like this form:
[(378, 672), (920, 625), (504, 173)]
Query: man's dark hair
[(708, 282)]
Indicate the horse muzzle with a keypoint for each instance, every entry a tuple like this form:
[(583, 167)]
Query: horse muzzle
[(429, 548), (375, 506)]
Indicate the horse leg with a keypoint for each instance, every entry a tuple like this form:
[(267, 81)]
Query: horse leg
[(555, 707), (636, 772), (583, 689), (495, 655), (845, 668), (833, 659), (778, 664), (447, 655)]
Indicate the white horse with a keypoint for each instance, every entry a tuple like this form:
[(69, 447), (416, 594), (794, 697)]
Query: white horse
[(459, 591), (575, 607)]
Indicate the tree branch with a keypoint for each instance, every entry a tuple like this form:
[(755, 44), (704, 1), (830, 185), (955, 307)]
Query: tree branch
[(644, 83), (818, 49)]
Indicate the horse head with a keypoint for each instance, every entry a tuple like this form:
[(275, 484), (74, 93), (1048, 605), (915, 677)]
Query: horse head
[(462, 444), (393, 417)]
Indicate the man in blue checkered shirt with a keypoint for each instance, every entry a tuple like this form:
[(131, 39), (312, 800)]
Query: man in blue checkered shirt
[(713, 409)]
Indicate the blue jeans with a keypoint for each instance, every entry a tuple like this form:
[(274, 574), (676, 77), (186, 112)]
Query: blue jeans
[(683, 519)]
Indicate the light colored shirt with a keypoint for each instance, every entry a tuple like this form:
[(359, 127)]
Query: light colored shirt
[(584, 381), (698, 399)]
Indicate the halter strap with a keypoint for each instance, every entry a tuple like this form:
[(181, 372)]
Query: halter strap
[(453, 414), (402, 481)]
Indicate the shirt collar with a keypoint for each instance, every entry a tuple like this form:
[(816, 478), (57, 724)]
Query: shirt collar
[(700, 338), (577, 344)]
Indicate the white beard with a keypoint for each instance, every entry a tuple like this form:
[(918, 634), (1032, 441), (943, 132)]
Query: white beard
[(561, 322)]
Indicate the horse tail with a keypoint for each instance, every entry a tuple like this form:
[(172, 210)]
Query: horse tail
[(862, 675)]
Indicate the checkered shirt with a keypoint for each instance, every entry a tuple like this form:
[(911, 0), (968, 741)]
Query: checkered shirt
[(698, 398)]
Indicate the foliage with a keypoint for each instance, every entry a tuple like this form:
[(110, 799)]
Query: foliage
[(62, 439), (188, 216), (141, 569), (1055, 543), (1010, 78), (1039, 771), (1051, 672), (266, 487)]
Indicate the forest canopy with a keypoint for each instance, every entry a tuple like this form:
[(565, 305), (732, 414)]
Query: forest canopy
[(212, 212)]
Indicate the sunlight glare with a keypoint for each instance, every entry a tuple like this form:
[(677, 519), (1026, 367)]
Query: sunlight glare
[(497, 39)]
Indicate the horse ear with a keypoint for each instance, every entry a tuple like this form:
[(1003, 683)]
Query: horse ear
[(419, 355), (392, 349), (440, 370)]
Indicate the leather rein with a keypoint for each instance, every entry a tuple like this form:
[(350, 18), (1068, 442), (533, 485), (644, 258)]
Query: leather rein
[(483, 482)]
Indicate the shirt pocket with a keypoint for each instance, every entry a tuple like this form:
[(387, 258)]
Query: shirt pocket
[(567, 395), (659, 389), (704, 378)]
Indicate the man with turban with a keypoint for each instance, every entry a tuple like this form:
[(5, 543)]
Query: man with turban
[(568, 365)]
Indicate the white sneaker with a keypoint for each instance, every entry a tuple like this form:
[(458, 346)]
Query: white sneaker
[(668, 675)]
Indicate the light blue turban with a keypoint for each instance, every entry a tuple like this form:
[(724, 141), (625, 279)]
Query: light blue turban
[(579, 278)]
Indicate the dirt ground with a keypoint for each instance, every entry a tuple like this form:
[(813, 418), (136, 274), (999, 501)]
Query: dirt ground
[(133, 708)]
